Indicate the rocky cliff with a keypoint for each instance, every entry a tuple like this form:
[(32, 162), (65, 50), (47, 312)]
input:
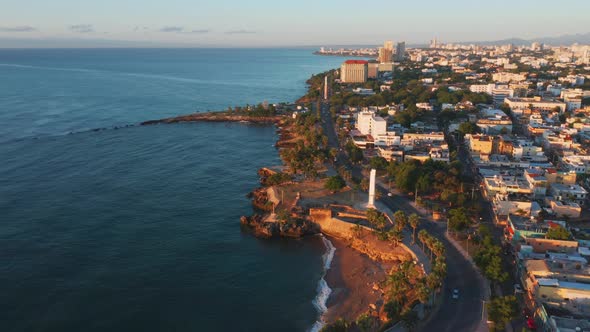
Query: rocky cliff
[(269, 229)]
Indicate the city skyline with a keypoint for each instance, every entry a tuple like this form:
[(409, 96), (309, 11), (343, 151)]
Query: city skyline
[(229, 23)]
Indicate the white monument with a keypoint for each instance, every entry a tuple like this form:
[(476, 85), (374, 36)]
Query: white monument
[(371, 203)]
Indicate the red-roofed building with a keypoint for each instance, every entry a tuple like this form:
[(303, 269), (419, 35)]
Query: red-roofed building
[(358, 62), (354, 71)]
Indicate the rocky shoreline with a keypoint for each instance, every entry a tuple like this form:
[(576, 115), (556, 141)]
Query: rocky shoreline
[(215, 117)]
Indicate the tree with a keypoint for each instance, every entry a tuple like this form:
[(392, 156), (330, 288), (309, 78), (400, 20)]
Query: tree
[(423, 292), (335, 183), (467, 128), (393, 310), (398, 286), (376, 219), (378, 163), (365, 322), (414, 222), (338, 326), (488, 259), (458, 219), (502, 310), (505, 108), (396, 236), (400, 219), (557, 233)]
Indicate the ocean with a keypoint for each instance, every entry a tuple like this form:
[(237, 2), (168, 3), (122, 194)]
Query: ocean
[(137, 228)]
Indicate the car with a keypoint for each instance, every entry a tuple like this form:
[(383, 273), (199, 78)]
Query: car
[(455, 293), (389, 194), (517, 289)]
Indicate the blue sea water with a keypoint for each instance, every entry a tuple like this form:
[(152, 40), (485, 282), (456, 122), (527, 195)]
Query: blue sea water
[(137, 229)]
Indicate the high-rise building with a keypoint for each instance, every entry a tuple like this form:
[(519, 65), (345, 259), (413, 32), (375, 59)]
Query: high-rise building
[(388, 45), (400, 51), (433, 43), (354, 71), (385, 55)]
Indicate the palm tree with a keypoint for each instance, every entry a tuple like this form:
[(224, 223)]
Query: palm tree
[(400, 219), (423, 292), (414, 222), (396, 236), (438, 248), (397, 287), (422, 235)]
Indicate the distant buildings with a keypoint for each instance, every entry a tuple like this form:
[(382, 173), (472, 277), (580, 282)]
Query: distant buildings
[(400, 51), (386, 52), (354, 71)]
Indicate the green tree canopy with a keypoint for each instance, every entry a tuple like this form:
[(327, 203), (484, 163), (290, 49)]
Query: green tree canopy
[(558, 233), (376, 219), (335, 183), (502, 310), (458, 219)]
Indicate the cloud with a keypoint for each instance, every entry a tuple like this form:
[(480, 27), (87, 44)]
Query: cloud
[(178, 29), (81, 28), (23, 28), (172, 29), (240, 32)]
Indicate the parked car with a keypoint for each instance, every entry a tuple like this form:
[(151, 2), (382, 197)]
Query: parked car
[(517, 289), (455, 293)]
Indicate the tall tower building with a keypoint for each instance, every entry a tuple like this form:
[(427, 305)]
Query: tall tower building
[(400, 51), (388, 45), (434, 43), (385, 55)]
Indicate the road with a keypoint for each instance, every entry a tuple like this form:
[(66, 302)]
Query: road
[(463, 314)]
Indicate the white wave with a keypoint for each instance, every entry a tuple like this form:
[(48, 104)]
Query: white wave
[(323, 290)]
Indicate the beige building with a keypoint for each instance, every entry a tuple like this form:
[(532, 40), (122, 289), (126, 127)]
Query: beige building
[(385, 55), (534, 103), (354, 71), (480, 144)]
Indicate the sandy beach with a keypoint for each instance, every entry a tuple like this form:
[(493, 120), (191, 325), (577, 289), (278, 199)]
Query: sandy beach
[(352, 277)]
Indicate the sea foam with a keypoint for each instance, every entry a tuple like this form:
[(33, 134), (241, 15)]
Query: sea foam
[(323, 289)]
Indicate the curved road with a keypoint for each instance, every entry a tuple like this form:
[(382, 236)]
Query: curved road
[(462, 314)]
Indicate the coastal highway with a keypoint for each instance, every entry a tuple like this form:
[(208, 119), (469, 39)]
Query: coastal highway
[(464, 313), (457, 315)]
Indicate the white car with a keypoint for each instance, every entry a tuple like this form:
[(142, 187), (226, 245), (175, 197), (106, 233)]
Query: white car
[(517, 289), (455, 293), (389, 194)]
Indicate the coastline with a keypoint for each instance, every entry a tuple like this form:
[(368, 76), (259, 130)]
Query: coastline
[(354, 279)]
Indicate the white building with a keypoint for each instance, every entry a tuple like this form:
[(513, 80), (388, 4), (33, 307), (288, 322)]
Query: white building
[(505, 77), (569, 192), (370, 124), (535, 103)]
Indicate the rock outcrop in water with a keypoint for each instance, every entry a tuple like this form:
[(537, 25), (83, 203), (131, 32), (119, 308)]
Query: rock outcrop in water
[(268, 229), (215, 117)]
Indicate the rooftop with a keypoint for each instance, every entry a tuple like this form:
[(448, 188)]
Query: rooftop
[(356, 62)]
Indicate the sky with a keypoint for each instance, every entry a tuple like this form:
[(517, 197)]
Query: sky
[(259, 23)]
